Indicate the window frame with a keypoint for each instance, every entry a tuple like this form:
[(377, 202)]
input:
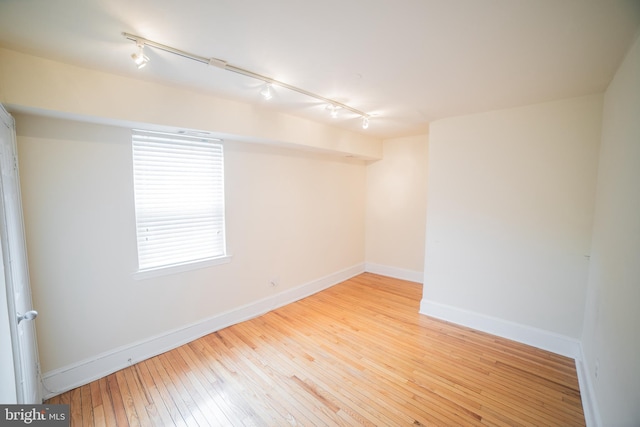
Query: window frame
[(157, 166)]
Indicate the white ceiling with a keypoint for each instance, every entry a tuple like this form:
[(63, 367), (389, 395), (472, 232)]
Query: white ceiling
[(406, 62)]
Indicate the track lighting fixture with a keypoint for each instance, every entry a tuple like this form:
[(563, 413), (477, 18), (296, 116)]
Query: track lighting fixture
[(365, 122), (267, 91), (139, 57), (333, 110)]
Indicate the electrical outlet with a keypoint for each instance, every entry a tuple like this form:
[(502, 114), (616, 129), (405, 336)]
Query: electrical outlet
[(597, 369)]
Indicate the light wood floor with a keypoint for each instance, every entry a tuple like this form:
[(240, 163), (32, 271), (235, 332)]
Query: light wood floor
[(356, 354)]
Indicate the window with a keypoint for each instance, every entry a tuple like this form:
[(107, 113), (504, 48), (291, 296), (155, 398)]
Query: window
[(179, 200)]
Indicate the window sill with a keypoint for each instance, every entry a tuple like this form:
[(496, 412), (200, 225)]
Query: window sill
[(180, 268)]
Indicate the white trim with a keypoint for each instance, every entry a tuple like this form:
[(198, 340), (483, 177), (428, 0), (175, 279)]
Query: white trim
[(180, 268), (80, 373), (587, 394), (556, 343), (550, 341), (395, 272)]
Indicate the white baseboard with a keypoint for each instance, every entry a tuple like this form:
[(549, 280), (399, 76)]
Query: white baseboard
[(80, 373), (397, 273), (587, 394), (539, 338)]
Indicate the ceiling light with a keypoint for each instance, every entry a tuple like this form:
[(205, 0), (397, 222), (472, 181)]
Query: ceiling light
[(333, 110), (139, 57), (267, 92)]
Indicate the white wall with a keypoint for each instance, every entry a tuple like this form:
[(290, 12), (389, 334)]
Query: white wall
[(611, 336), (396, 208), (294, 215), (509, 217)]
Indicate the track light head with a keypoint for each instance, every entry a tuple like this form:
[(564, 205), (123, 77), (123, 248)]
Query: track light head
[(365, 122), (333, 110), (139, 57), (267, 92)]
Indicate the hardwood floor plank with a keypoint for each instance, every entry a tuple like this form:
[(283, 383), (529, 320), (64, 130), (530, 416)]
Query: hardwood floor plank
[(193, 413), (234, 365), (307, 366), (202, 387), (276, 351), (164, 395), (129, 405), (75, 400), (144, 407), (364, 383), (251, 359), (358, 353), (107, 412), (97, 404), (284, 364)]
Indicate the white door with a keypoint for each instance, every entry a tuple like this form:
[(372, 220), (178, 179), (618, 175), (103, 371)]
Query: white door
[(16, 273)]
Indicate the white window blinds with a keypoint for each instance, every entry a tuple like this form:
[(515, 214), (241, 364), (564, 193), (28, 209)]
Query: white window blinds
[(179, 199)]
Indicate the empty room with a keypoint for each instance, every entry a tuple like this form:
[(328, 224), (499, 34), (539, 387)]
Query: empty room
[(359, 212)]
